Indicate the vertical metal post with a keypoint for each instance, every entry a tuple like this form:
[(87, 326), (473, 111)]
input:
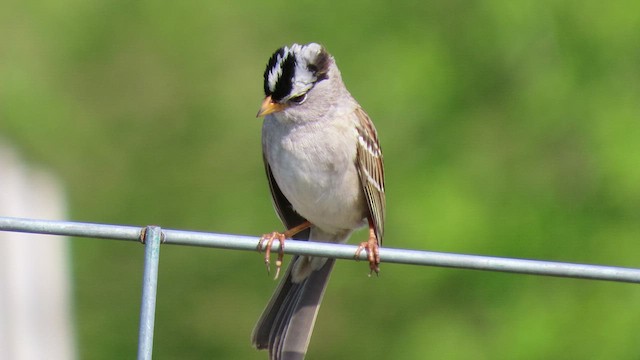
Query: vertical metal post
[(151, 237)]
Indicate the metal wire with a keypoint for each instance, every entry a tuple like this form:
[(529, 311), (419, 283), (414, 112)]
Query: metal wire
[(151, 236), (389, 255)]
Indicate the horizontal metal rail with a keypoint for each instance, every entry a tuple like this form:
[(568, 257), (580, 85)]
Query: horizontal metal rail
[(341, 251)]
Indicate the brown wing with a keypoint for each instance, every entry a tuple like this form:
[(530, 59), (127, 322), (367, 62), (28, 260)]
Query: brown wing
[(371, 170), (289, 217)]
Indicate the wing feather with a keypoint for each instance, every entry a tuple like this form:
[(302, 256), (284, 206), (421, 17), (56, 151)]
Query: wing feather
[(371, 170)]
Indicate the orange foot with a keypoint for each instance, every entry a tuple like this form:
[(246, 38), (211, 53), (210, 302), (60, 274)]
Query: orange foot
[(270, 238), (373, 251), (280, 237)]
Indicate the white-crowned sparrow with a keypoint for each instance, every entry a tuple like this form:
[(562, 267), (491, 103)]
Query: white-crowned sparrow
[(324, 166)]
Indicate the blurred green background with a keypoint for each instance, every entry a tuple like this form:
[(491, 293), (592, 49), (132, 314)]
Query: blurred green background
[(510, 128)]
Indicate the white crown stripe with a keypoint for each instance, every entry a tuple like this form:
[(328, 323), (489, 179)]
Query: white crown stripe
[(303, 78), (276, 71)]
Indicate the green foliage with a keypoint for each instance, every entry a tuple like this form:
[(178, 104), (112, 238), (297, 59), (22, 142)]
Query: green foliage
[(509, 129)]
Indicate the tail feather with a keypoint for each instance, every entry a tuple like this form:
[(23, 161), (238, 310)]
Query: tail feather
[(287, 322)]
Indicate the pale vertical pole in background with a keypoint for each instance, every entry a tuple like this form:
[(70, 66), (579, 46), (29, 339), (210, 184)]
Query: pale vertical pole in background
[(36, 320)]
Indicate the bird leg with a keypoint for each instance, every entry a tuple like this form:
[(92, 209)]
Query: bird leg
[(280, 237), (373, 250)]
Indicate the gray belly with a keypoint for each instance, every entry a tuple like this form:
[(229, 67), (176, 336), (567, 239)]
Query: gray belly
[(320, 181)]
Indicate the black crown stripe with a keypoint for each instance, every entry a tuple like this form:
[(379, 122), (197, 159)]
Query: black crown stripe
[(273, 62), (284, 84), (287, 65)]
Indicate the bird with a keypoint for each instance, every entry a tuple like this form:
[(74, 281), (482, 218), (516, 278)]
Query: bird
[(325, 171)]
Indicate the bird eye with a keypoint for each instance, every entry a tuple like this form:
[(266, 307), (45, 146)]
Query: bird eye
[(299, 99)]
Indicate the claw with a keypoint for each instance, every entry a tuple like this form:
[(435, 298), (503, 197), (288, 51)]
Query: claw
[(373, 252), (280, 237), (270, 238)]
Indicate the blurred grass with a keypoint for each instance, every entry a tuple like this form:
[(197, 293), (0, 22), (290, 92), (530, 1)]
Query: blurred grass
[(509, 128)]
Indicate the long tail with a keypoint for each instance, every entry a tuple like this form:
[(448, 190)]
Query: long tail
[(287, 322)]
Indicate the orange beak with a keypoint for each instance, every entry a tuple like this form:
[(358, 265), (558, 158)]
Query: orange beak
[(269, 107)]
